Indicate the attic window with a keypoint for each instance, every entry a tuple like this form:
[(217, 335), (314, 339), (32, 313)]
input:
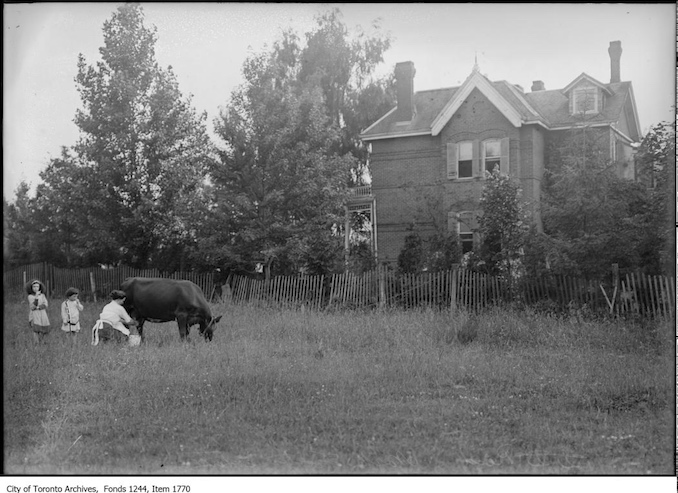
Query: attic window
[(585, 100)]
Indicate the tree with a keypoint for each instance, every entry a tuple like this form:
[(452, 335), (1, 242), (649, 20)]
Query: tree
[(280, 186), (20, 231), (655, 165), (344, 68), (502, 227), (143, 151), (592, 217), (285, 165)]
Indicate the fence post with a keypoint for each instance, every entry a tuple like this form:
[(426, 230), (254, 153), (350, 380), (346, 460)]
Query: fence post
[(93, 285), (453, 291), (382, 287), (615, 283)]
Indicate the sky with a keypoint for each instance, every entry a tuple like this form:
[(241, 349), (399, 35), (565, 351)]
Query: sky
[(207, 43)]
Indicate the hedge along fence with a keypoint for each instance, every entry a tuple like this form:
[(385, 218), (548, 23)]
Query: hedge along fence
[(459, 288), (94, 283)]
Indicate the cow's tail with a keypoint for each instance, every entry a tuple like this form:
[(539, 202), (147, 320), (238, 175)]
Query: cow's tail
[(95, 332)]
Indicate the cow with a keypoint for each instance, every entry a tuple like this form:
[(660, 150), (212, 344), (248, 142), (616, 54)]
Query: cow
[(165, 300)]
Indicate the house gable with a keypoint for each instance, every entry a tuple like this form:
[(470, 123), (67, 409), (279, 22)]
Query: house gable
[(586, 96), (475, 81)]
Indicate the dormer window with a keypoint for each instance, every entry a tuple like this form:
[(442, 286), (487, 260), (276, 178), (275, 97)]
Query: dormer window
[(586, 100)]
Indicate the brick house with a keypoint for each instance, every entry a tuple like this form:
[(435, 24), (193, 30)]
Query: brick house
[(428, 155)]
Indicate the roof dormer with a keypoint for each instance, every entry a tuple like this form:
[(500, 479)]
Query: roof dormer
[(586, 95)]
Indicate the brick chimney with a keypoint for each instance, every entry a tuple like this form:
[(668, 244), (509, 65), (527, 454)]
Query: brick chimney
[(615, 51), (404, 74), (537, 85)]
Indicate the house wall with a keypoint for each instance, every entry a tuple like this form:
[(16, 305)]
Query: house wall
[(409, 174), (477, 119), (531, 173), (625, 153), (404, 173)]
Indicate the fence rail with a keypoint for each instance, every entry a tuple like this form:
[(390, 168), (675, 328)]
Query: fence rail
[(635, 294)]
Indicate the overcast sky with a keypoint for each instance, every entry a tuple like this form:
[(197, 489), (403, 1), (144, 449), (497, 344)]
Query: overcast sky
[(206, 44)]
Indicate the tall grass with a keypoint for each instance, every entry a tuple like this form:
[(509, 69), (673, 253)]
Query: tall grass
[(380, 392)]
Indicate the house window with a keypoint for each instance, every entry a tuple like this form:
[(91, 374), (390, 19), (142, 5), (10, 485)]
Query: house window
[(585, 100), (462, 223), (466, 241), (491, 155), (465, 162)]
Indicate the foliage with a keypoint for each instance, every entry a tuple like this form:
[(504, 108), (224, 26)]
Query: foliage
[(131, 189), (411, 256), (436, 252), (279, 186), (343, 67), (442, 252), (655, 166), (284, 166), (592, 217), (20, 232), (502, 227), (361, 258)]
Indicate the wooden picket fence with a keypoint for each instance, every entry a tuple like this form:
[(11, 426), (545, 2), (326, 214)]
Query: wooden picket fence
[(94, 283), (647, 296), (635, 294), (285, 291)]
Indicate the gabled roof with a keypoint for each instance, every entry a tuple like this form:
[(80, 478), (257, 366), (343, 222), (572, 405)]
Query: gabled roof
[(590, 80), (550, 109), (475, 81), (554, 107)]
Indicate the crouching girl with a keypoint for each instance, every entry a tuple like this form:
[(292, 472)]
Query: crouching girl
[(114, 316)]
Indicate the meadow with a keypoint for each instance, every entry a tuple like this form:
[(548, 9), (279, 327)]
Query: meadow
[(344, 392)]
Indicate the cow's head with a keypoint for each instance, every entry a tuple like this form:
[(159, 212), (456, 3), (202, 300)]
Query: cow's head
[(208, 332)]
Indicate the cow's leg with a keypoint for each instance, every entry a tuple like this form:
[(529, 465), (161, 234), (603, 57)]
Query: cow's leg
[(182, 322), (140, 327)]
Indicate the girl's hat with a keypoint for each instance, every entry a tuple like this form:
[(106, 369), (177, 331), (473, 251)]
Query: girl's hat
[(72, 291), (29, 286)]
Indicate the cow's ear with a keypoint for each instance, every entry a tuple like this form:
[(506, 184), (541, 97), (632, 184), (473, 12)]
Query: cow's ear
[(216, 320)]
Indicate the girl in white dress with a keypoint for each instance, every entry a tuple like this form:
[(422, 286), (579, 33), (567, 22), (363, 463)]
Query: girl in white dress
[(37, 314), (70, 312)]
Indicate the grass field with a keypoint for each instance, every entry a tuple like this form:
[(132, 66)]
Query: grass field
[(343, 393)]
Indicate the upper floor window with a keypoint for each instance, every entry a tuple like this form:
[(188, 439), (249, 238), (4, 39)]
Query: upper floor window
[(491, 155), (465, 162), (460, 160), (585, 100)]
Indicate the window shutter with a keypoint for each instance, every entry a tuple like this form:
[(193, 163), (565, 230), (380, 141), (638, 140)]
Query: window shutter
[(476, 159), (504, 159), (571, 101), (452, 222), (452, 161)]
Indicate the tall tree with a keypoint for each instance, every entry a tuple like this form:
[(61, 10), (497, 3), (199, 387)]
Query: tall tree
[(143, 147), (285, 164), (344, 67), (281, 187)]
